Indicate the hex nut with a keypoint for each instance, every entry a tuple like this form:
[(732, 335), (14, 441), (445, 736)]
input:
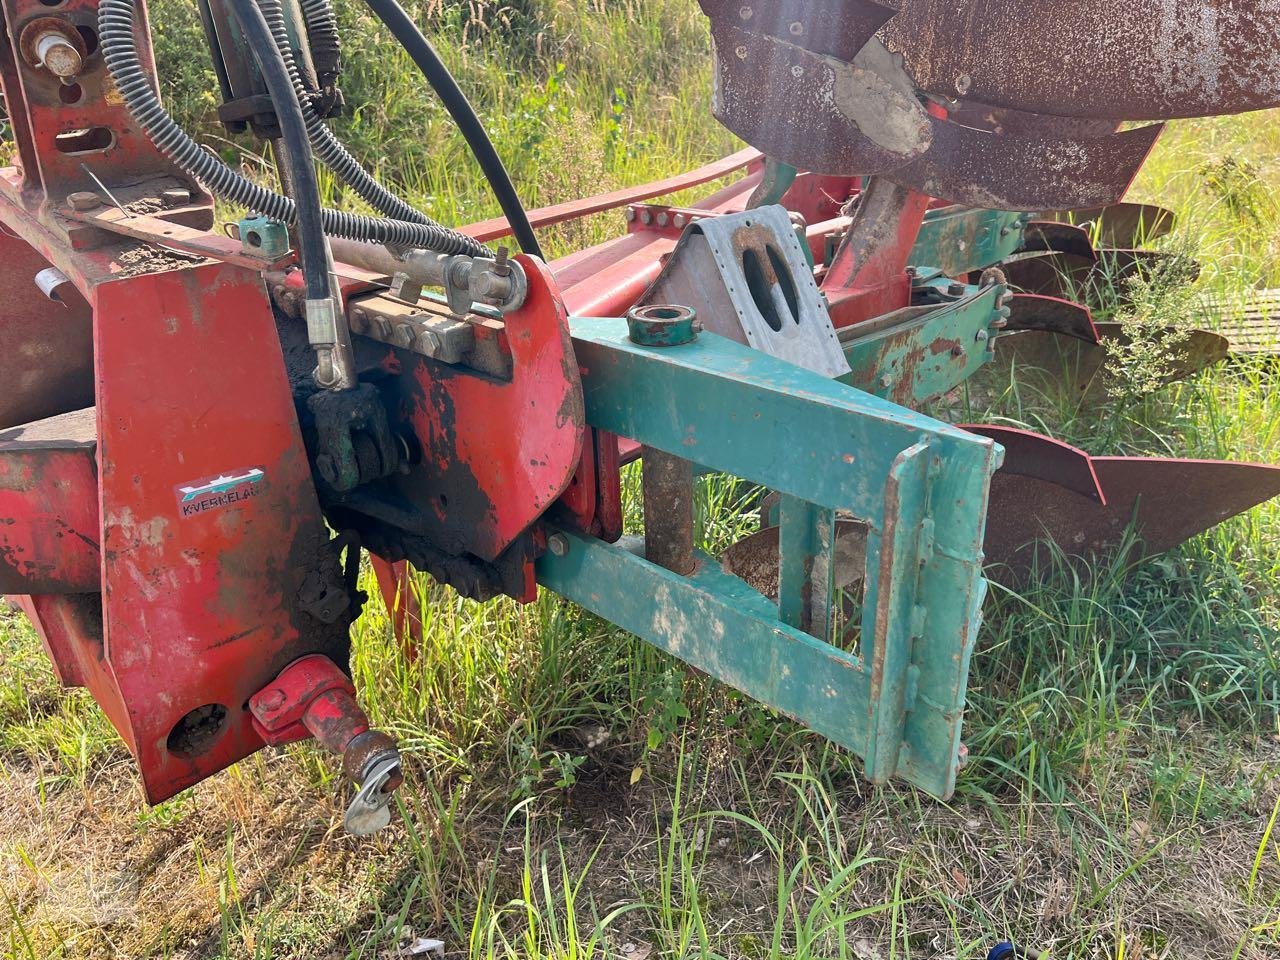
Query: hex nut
[(84, 200)]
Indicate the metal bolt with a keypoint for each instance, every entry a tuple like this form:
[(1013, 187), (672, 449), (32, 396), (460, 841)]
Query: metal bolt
[(663, 219), (741, 52), (273, 699), (558, 544), (646, 217), (382, 329), (428, 343), (631, 214), (83, 200), (359, 320), (679, 221), (957, 351), (405, 288), (501, 266), (797, 28), (982, 336), (403, 335), (963, 83), (797, 71), (886, 381), (59, 55), (746, 13), (957, 289)]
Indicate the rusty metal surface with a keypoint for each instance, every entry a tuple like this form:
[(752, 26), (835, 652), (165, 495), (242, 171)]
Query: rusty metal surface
[(983, 116), (1080, 366), (832, 28), (816, 112), (1035, 455), (1113, 59), (667, 483), (1025, 170), (1119, 225), (1050, 236), (1030, 311), (1168, 501), (756, 558), (1072, 277)]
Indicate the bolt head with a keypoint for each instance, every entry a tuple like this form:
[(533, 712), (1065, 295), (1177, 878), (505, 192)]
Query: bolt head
[(273, 699), (796, 28), (428, 343), (83, 200), (558, 544), (886, 381), (746, 13)]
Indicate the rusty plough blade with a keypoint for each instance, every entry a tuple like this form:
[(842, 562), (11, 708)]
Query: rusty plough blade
[(1048, 491)]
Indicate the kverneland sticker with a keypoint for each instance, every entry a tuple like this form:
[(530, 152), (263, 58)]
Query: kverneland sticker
[(214, 493)]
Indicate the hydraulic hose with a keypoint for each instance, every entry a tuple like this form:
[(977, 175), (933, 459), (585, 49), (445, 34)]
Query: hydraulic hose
[(116, 22), (308, 210), (328, 147), (323, 38), (455, 101)]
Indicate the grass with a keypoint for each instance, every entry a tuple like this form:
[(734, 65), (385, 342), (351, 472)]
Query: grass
[(575, 794)]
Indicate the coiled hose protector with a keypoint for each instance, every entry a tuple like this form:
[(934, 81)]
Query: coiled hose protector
[(323, 37), (116, 21), (328, 147)]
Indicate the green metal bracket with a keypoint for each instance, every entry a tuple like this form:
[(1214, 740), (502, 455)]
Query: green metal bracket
[(263, 236), (960, 240), (895, 698), (918, 354)]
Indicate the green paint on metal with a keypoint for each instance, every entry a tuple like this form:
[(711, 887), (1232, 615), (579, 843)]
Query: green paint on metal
[(662, 325), (919, 485), (264, 237), (918, 354), (960, 240), (806, 540)]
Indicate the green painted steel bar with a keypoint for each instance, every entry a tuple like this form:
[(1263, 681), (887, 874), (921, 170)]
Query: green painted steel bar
[(806, 541), (892, 604), (960, 240), (718, 624), (916, 355), (919, 484)]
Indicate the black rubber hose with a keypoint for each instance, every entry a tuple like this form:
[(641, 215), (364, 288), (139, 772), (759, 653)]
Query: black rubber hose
[(116, 23), (308, 209), (328, 147), (324, 39), (455, 101)]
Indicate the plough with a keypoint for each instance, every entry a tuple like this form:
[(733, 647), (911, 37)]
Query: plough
[(202, 434)]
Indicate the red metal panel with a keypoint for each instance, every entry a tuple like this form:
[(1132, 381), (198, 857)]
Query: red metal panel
[(49, 507), (501, 451), (201, 594), (46, 365)]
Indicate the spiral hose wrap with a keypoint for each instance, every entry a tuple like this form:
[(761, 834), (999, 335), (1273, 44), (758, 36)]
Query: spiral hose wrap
[(323, 37), (328, 147), (116, 22)]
